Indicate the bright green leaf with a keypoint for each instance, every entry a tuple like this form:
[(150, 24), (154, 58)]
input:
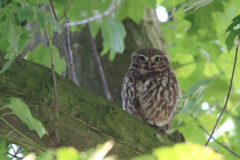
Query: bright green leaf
[(42, 56), (187, 62), (187, 151), (2, 147), (67, 153), (134, 9), (211, 69), (144, 157), (49, 155)]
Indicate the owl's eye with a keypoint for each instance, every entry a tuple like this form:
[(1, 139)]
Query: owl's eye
[(141, 58), (157, 59)]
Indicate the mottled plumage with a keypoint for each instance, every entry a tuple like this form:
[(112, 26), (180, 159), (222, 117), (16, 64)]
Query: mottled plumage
[(150, 88)]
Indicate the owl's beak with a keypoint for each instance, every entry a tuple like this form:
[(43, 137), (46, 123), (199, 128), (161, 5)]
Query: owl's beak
[(149, 64)]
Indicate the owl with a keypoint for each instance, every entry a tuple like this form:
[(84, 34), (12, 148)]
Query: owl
[(150, 89)]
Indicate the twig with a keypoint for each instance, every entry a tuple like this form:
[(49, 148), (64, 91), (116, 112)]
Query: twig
[(114, 94), (64, 13), (29, 139), (182, 65), (14, 156), (230, 87), (55, 89), (214, 138), (111, 8), (64, 44), (105, 86), (70, 54)]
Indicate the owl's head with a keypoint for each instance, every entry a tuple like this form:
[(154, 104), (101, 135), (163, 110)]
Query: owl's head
[(149, 60)]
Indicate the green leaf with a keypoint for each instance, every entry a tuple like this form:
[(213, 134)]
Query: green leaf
[(9, 28), (22, 111), (190, 4), (211, 69), (144, 157), (134, 9), (225, 62), (187, 151), (234, 29), (2, 147), (187, 62), (49, 155), (7, 65), (67, 153), (3, 3), (42, 56), (113, 33)]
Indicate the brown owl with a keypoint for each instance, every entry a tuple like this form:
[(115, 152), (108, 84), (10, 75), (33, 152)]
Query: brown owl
[(150, 89)]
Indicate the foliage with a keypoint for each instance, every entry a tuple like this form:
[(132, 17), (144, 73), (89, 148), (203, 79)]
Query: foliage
[(183, 151), (201, 54), (14, 15), (205, 77), (42, 55), (20, 109)]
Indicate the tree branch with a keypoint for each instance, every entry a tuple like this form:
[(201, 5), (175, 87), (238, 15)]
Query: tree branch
[(64, 13), (70, 54), (63, 41), (105, 86), (230, 87), (111, 9), (55, 88), (85, 119), (214, 138)]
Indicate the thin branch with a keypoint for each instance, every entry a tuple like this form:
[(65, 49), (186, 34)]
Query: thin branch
[(64, 13), (55, 89), (105, 86), (111, 9), (14, 156), (70, 53), (230, 87), (64, 44), (182, 65), (114, 94), (214, 138)]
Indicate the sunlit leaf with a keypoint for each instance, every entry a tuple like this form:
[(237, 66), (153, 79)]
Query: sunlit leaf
[(49, 155), (67, 153), (134, 9), (211, 69), (187, 151)]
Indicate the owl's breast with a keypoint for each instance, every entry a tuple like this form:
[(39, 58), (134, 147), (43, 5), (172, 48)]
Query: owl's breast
[(157, 97)]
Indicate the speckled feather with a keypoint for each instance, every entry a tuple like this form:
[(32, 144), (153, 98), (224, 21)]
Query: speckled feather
[(150, 93)]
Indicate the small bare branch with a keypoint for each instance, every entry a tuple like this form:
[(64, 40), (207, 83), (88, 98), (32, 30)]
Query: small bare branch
[(70, 54), (55, 88), (114, 94), (111, 9), (64, 13), (214, 138), (105, 86), (230, 87), (64, 44)]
